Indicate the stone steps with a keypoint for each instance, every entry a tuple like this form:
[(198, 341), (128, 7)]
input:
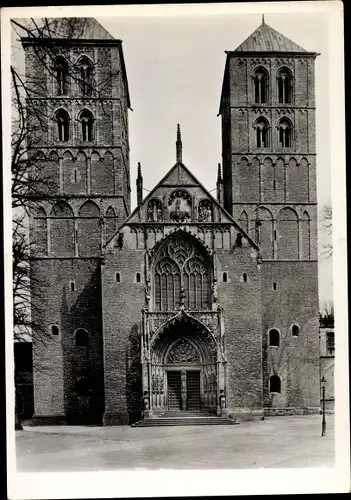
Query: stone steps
[(185, 414), (188, 420)]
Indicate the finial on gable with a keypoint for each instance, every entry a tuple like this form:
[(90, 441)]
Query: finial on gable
[(219, 173), (139, 185), (179, 144), (262, 18), (139, 170)]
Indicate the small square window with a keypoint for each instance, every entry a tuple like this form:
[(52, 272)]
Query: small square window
[(274, 287)]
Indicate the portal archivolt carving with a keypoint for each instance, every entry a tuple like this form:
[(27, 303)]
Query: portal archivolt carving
[(183, 352)]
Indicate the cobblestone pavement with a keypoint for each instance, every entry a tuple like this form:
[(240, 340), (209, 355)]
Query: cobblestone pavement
[(276, 442)]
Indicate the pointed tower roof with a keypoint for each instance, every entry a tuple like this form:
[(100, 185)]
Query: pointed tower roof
[(267, 39)]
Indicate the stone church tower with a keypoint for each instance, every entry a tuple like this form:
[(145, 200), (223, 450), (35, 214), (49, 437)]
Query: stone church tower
[(269, 171), (78, 119)]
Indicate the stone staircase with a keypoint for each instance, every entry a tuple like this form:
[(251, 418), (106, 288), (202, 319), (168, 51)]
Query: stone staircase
[(178, 418)]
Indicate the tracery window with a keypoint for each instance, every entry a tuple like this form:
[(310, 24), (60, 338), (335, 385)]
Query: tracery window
[(181, 276)]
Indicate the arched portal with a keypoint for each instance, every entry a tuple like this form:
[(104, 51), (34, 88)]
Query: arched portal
[(183, 369)]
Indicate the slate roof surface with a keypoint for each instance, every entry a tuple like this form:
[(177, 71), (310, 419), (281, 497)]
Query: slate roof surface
[(267, 39)]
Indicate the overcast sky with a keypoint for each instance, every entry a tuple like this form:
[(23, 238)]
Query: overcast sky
[(175, 70)]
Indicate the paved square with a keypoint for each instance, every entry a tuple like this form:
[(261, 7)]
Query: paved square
[(277, 442)]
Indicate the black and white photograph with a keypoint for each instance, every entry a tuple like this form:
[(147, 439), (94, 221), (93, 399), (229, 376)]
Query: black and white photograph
[(175, 250)]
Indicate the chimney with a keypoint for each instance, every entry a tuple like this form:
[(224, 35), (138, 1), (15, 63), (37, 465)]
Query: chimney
[(219, 185), (139, 186)]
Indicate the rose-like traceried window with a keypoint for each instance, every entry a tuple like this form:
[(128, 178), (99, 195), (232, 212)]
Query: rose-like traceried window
[(205, 211), (181, 276), (179, 206), (154, 211)]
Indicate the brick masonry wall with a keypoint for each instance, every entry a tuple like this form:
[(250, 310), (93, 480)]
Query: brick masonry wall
[(57, 361), (296, 360), (122, 304), (242, 319)]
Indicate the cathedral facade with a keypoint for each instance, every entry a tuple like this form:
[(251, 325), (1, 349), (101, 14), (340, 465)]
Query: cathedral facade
[(190, 302)]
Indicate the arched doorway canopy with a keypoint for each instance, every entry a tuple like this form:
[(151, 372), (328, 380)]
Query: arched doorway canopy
[(188, 332)]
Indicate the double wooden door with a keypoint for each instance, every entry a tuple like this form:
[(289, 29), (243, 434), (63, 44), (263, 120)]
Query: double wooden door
[(184, 396)]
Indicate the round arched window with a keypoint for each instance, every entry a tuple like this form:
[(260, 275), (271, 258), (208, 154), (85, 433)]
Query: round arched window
[(82, 339), (274, 337), (295, 330)]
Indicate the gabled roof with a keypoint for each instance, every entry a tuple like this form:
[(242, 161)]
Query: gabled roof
[(267, 39), (180, 176)]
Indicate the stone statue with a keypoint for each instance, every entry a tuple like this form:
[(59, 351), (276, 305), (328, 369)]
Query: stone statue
[(147, 291), (150, 213), (205, 212), (215, 292)]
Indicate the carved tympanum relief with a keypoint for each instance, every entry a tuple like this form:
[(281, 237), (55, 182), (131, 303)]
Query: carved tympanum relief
[(183, 352), (179, 206)]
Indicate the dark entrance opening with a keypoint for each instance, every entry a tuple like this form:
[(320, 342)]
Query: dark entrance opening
[(193, 390), (174, 390)]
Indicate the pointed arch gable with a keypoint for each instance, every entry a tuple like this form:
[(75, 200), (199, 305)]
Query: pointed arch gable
[(183, 317)]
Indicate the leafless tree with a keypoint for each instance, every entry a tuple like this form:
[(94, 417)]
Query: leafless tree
[(326, 230)]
